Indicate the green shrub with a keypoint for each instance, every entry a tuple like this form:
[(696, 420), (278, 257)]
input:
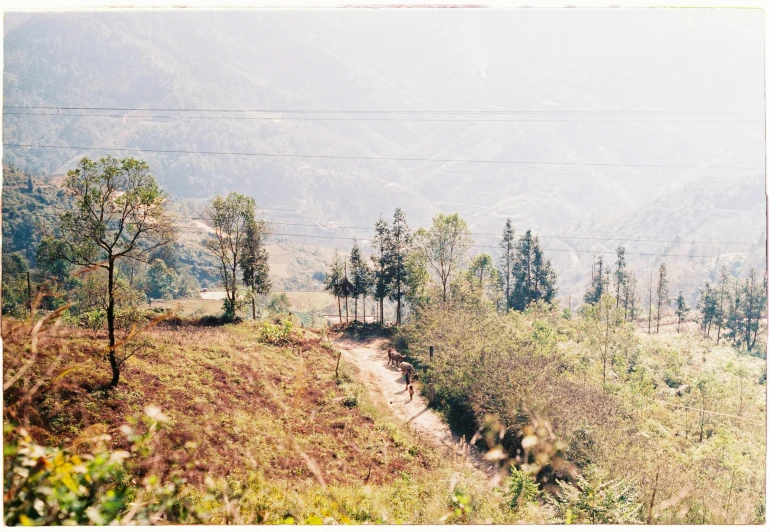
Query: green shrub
[(53, 486), (277, 333), (596, 500), (522, 488)]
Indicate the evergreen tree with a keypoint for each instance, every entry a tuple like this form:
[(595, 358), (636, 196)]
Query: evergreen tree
[(745, 312), (599, 282), (334, 279), (620, 275), (254, 264), (681, 309), (720, 314), (507, 261), (399, 246), (534, 277), (628, 296), (663, 296), (380, 258), (360, 275), (708, 307)]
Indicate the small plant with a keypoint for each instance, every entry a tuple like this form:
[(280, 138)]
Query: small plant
[(596, 500), (522, 488), (54, 486), (277, 333)]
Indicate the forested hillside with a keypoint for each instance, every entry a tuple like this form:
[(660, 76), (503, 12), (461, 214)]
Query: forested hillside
[(704, 124)]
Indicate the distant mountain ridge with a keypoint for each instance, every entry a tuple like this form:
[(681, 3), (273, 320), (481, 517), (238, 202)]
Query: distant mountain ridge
[(669, 63)]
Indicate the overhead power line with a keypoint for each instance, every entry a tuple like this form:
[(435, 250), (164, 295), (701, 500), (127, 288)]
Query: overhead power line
[(381, 111), (370, 158), (565, 237), (494, 247), (386, 119)]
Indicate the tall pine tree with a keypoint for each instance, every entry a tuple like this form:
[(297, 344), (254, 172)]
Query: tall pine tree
[(533, 276), (507, 261), (663, 294), (399, 246), (334, 280), (380, 259), (599, 282), (681, 309), (620, 275)]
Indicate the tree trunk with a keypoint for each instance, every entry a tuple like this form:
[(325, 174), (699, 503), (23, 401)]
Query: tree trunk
[(651, 282), (339, 304), (654, 494), (381, 311), (346, 311), (253, 307), (364, 310), (111, 323), (659, 308), (678, 329), (398, 312), (356, 310)]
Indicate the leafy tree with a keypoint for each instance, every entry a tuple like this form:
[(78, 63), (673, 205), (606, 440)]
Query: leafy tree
[(663, 294), (620, 274), (119, 213), (254, 265), (230, 219), (606, 331), (444, 246), (279, 304), (507, 260), (334, 280), (161, 280), (400, 244), (50, 262), (417, 278), (380, 258), (15, 297), (484, 276), (534, 277), (681, 309)]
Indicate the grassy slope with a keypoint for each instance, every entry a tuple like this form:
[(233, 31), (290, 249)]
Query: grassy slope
[(255, 418)]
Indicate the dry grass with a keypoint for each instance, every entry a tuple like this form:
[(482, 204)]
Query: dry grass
[(273, 428)]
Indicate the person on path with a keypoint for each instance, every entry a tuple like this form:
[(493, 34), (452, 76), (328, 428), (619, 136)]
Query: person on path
[(407, 370)]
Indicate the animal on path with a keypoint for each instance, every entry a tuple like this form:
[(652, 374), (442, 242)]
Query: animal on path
[(394, 357), (411, 392)]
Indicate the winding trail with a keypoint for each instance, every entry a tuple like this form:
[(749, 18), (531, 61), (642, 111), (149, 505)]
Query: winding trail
[(387, 384)]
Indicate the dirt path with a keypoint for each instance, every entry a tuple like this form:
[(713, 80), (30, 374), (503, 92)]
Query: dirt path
[(388, 384)]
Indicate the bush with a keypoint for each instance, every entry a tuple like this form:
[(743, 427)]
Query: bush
[(53, 486), (522, 488), (277, 333), (596, 500)]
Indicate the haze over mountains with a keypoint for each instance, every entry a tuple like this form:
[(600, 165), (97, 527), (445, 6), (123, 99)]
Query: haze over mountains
[(681, 88)]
